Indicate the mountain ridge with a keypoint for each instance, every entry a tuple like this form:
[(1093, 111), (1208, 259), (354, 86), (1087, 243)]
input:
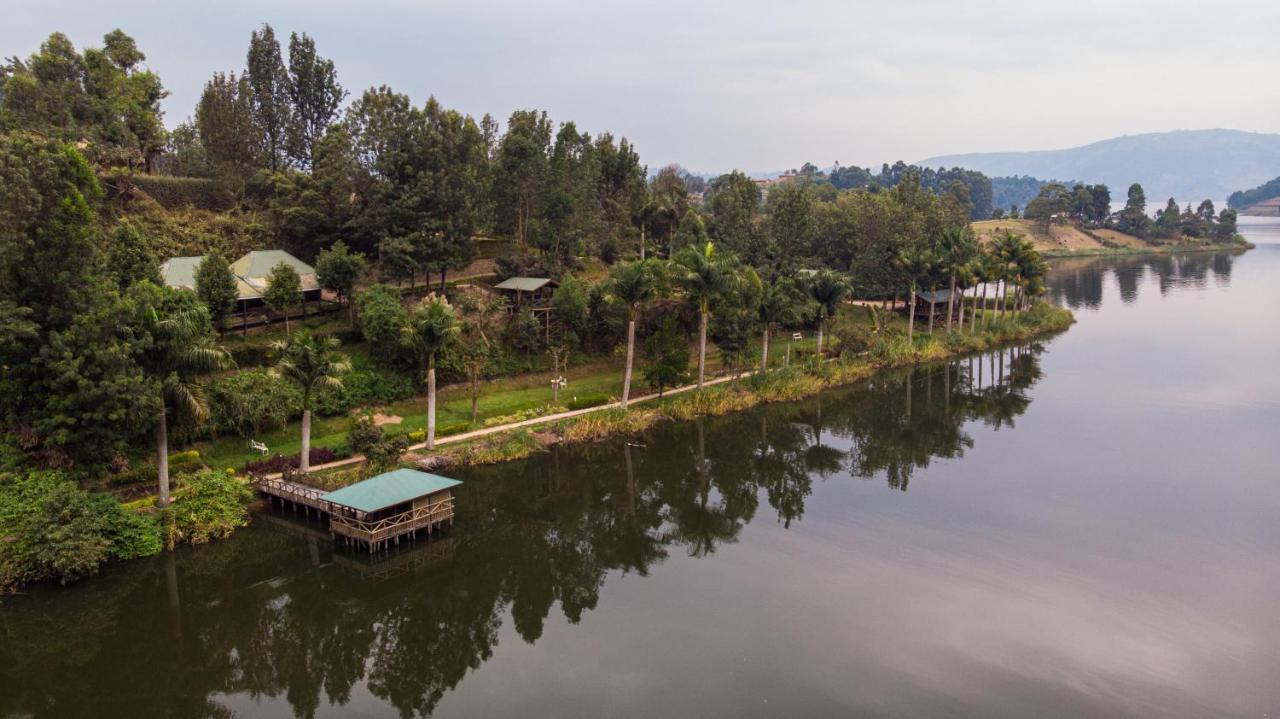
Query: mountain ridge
[(1189, 165)]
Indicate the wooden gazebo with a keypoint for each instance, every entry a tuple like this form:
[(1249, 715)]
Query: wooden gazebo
[(379, 511)]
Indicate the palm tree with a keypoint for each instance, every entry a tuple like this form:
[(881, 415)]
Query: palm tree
[(1008, 248), (916, 263), (827, 289), (431, 326), (987, 269), (956, 247), (632, 284), (311, 364), (775, 305), (705, 279), (182, 352)]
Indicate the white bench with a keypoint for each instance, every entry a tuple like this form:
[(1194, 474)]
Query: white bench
[(257, 446)]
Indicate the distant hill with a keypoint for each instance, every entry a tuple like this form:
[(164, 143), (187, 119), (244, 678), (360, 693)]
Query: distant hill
[(1190, 165), (1261, 200)]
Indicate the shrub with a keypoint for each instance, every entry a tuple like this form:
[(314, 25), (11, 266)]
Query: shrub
[(279, 463), (385, 455), (50, 529), (524, 414), (135, 473), (215, 506), (589, 400), (381, 317), (363, 387), (363, 435), (184, 460), (449, 428), (251, 402)]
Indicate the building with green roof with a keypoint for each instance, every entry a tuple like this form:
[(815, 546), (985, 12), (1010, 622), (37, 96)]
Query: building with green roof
[(382, 509)]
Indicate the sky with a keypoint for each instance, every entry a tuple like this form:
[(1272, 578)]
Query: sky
[(756, 86)]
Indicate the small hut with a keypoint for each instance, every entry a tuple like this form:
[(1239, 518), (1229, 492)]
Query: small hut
[(534, 291), (938, 298), (380, 510)]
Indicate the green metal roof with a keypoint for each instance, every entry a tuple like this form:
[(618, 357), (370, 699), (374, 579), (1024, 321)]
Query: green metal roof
[(522, 284), (259, 263), (390, 489), (180, 272)]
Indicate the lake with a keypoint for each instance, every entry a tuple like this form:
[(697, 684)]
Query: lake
[(1083, 526)]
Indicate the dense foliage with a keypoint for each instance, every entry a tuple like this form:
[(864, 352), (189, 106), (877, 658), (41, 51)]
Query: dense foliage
[(50, 529)]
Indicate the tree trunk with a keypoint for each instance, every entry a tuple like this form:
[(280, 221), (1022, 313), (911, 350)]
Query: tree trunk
[(431, 406), (821, 322), (475, 400), (911, 318), (973, 313), (286, 324), (764, 352), (641, 244), (631, 352), (951, 301), (984, 303), (702, 347), (162, 459), (933, 310), (304, 459)]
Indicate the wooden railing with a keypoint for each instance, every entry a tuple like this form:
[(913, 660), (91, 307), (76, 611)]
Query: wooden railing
[(377, 530), (294, 492)]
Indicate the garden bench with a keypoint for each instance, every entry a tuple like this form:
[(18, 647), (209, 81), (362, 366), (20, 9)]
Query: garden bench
[(257, 446)]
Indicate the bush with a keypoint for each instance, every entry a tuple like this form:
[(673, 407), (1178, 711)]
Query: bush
[(184, 460), (363, 387), (215, 506), (524, 414), (251, 402), (588, 400), (279, 463), (363, 435), (449, 428), (385, 455), (50, 529)]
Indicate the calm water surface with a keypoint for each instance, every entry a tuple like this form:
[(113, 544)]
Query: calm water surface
[(1081, 527)]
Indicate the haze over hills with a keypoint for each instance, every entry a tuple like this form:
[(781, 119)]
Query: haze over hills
[(1190, 165)]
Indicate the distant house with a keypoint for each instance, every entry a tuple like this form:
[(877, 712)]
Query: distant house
[(536, 291)]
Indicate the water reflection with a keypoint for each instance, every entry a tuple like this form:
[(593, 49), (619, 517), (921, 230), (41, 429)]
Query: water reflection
[(1078, 283), (278, 616)]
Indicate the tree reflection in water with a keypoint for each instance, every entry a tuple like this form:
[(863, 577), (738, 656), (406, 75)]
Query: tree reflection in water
[(279, 614), (1078, 283)]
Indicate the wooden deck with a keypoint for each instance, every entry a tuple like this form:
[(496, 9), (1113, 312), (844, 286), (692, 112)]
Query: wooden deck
[(353, 529)]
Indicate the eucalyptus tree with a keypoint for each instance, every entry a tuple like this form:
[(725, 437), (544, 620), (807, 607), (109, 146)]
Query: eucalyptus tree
[(179, 351), (632, 284), (430, 327), (705, 280), (956, 248), (312, 364), (916, 263), (827, 289)]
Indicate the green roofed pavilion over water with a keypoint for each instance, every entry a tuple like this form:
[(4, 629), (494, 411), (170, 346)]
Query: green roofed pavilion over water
[(388, 490)]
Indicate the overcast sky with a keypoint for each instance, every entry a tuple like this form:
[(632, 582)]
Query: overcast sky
[(752, 85)]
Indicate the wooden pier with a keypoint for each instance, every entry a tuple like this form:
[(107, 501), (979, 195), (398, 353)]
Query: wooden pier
[(376, 513)]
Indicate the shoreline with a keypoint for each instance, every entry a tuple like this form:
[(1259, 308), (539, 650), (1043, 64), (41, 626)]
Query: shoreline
[(1139, 251), (720, 396)]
